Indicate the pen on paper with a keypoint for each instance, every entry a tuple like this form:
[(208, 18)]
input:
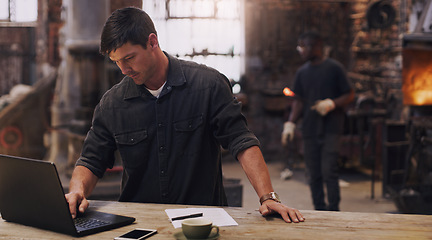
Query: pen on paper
[(187, 216)]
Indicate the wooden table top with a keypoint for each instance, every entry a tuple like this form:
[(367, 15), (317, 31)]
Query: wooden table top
[(318, 225)]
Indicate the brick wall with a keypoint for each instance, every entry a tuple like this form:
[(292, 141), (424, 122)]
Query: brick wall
[(17, 56), (376, 65)]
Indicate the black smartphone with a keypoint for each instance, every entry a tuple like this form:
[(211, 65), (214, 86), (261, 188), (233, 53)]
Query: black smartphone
[(137, 234)]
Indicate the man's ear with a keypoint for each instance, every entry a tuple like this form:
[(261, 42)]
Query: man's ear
[(153, 40)]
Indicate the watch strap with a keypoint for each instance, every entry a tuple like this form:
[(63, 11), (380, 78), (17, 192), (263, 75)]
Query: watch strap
[(271, 195)]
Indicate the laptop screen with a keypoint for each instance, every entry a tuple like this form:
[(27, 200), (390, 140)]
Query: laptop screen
[(31, 194)]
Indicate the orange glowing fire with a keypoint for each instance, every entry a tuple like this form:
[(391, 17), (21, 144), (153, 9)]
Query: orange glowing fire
[(287, 92), (417, 77)]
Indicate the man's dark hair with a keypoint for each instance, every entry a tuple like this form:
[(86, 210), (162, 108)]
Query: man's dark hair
[(313, 36), (126, 25)]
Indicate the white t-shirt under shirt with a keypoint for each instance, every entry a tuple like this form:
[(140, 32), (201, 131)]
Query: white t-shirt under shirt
[(157, 92)]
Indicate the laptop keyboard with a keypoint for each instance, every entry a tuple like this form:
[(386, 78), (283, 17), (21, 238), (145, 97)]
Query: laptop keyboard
[(89, 222)]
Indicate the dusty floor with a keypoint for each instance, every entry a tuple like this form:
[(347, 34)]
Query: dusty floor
[(356, 194)]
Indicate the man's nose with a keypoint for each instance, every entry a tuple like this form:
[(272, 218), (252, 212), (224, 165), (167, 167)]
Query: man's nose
[(124, 67)]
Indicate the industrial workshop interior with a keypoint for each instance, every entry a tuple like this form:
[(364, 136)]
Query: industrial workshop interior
[(52, 77)]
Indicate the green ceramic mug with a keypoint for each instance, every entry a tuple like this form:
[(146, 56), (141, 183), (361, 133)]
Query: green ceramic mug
[(198, 228)]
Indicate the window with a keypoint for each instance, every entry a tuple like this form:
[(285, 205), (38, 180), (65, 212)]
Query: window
[(18, 10), (205, 31)]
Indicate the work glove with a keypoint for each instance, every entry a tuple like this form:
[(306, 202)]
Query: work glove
[(288, 132), (324, 106)]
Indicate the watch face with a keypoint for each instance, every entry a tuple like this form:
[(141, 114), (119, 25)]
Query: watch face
[(275, 197)]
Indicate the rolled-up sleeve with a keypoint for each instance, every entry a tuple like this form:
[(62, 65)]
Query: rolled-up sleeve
[(99, 146), (229, 123)]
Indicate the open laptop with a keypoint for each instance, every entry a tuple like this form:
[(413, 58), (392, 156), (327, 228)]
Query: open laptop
[(31, 194)]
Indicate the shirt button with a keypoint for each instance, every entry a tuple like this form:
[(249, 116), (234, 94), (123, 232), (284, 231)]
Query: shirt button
[(160, 125), (161, 148)]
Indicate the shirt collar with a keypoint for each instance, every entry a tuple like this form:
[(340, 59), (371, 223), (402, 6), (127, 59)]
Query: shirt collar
[(175, 77)]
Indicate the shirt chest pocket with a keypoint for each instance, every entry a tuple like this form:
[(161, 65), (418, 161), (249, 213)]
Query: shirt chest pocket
[(188, 133), (133, 147), (130, 138), (189, 125)]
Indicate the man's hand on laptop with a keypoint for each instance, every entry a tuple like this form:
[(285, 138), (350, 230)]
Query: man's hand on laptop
[(77, 202)]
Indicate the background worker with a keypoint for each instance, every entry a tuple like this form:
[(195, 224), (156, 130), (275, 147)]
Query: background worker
[(322, 91)]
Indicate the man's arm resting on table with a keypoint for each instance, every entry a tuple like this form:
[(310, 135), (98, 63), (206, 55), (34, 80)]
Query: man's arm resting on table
[(256, 170), (81, 185)]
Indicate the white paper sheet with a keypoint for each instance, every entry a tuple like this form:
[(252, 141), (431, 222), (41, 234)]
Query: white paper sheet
[(218, 216)]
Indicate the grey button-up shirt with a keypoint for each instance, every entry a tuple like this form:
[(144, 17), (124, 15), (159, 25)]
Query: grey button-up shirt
[(169, 146)]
